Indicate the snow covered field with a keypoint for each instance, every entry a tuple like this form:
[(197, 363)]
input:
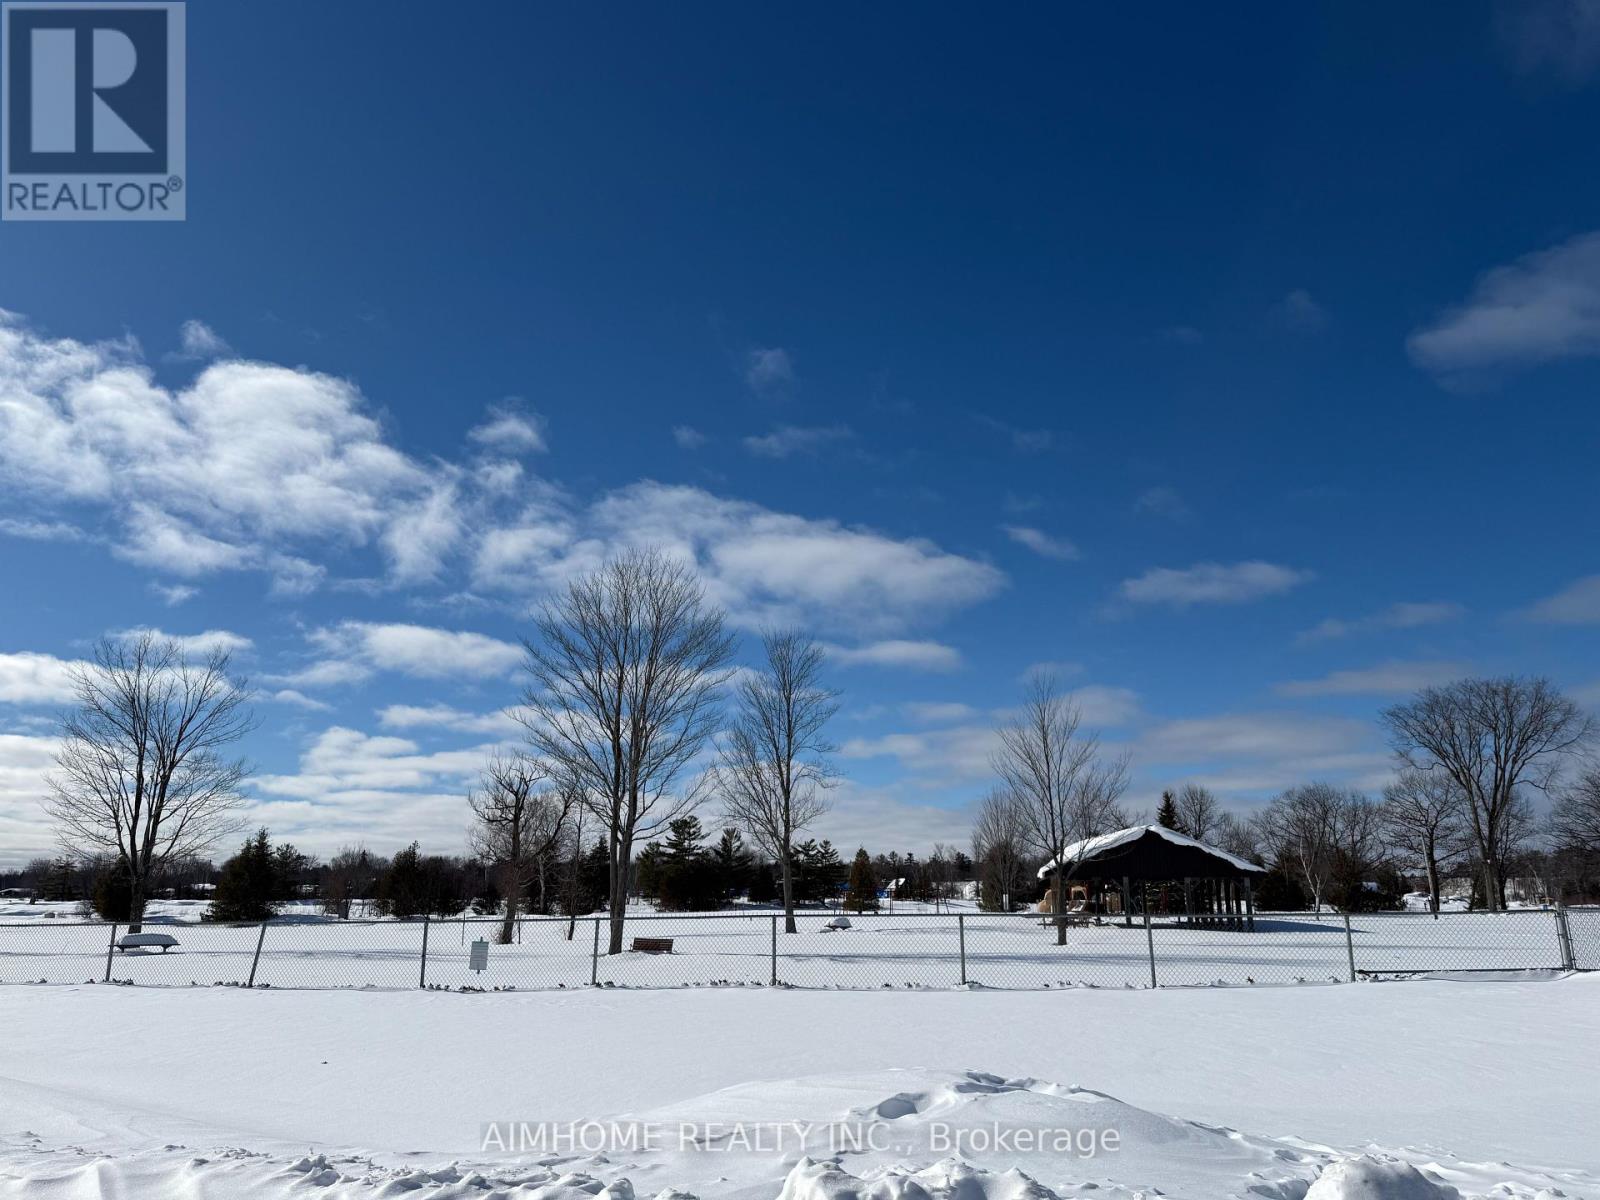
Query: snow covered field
[(1374, 1090), (888, 950)]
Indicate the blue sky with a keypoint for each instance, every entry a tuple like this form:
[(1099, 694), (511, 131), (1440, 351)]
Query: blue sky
[(1239, 363)]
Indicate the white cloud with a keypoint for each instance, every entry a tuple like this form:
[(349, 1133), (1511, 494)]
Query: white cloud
[(1023, 441), (1212, 583), (1397, 616), (939, 712), (688, 437), (512, 430), (1042, 543), (443, 716), (1104, 706), (224, 474), (1250, 755), (1576, 604), (897, 653), (30, 678), (199, 340), (175, 593), (358, 648), (206, 642), (40, 531), (299, 700), (1543, 307), (882, 820), (1393, 678), (768, 369), (788, 440), (25, 833)]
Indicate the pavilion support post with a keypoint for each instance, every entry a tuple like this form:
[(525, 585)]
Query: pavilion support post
[(1127, 903), (1250, 905), (1188, 901)]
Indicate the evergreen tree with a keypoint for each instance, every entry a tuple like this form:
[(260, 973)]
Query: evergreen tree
[(250, 885), (733, 863), (862, 892), (763, 884), (402, 889), (1167, 814)]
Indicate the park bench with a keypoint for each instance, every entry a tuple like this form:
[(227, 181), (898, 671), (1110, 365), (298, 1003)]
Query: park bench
[(649, 945), (142, 941)]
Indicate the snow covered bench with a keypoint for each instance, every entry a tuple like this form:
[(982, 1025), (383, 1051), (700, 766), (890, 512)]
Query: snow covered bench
[(648, 945), (141, 941)]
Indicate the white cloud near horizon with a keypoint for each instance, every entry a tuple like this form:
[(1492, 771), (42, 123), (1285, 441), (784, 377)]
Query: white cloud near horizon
[(356, 649), (1212, 583), (27, 677), (788, 440)]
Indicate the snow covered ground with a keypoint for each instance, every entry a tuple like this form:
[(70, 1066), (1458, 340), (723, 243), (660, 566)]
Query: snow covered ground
[(1404, 1090), (901, 949)]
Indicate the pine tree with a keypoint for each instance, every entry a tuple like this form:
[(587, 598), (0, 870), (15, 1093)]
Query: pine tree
[(862, 891), (733, 863), (250, 884), (1167, 814)]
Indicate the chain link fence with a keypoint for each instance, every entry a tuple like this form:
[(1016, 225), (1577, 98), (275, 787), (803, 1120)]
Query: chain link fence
[(751, 949)]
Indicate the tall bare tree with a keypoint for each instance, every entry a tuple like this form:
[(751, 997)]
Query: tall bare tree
[(625, 672), (1490, 737), (774, 768), (518, 818), (1237, 836), (1423, 818), (144, 774), (997, 847), (1198, 811), (1064, 789)]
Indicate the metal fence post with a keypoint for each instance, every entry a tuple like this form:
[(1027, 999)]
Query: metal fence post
[(1569, 960), (774, 949), (594, 957), (260, 937), (422, 977), (1150, 942), (110, 946), (961, 932), (1350, 947)]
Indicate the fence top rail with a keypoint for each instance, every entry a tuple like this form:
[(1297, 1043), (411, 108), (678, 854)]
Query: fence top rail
[(292, 920)]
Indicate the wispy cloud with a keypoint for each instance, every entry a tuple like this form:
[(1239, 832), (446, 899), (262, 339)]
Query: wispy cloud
[(768, 369), (31, 678), (1561, 37), (788, 440), (197, 341), (1405, 615), (1576, 604), (1212, 583), (354, 650), (1043, 544), (1162, 502), (1299, 310), (510, 429), (1023, 441), (898, 653), (688, 437), (1393, 678), (1543, 307)]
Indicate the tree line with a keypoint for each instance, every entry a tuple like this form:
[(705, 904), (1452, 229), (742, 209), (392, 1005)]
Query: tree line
[(636, 719)]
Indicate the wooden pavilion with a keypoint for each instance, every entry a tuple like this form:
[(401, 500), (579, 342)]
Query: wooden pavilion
[(1159, 872)]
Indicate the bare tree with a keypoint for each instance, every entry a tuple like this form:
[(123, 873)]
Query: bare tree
[(1054, 773), (625, 674), (143, 774), (1423, 819), (1302, 827), (1490, 737), (1198, 811), (1236, 836), (774, 769), (997, 847), (1575, 816), (517, 820)]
